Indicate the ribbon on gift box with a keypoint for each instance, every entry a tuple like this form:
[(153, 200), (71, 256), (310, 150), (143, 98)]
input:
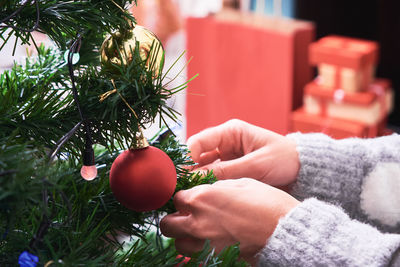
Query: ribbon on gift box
[(338, 96), (380, 90), (365, 72), (338, 72)]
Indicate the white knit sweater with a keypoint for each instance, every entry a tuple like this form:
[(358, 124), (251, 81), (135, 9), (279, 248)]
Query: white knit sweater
[(350, 215)]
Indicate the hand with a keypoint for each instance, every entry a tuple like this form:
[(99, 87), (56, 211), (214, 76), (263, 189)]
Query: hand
[(227, 212), (238, 149)]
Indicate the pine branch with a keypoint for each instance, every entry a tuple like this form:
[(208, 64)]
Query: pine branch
[(44, 111), (45, 206), (63, 20), (89, 220)]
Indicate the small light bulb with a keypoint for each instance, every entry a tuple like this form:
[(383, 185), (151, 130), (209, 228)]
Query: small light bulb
[(88, 172)]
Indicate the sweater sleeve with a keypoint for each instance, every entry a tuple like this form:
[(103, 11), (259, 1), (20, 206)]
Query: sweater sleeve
[(360, 175), (319, 234)]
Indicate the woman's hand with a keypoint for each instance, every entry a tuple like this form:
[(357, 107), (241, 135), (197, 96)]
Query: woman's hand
[(238, 149), (227, 212)]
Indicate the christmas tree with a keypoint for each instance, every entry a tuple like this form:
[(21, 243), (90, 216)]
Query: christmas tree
[(66, 108)]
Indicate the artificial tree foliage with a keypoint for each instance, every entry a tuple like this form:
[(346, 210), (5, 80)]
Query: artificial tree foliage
[(46, 208)]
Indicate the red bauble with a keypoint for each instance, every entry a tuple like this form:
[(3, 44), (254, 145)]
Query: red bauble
[(143, 179)]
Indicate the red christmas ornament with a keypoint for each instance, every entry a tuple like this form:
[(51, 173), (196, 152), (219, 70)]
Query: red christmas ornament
[(143, 179)]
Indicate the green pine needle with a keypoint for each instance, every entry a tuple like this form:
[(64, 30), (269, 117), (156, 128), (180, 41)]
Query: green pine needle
[(46, 208)]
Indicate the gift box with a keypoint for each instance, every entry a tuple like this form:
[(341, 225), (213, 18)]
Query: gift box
[(304, 122), (368, 107), (250, 67), (344, 63)]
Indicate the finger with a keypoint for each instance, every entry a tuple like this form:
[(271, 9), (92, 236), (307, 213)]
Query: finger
[(245, 166), (185, 201), (232, 182), (208, 157), (205, 141), (181, 201), (175, 225), (209, 139), (188, 246)]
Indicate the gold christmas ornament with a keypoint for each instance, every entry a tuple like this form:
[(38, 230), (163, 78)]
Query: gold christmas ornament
[(118, 47)]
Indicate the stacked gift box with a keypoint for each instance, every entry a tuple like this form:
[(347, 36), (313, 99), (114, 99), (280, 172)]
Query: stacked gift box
[(345, 99)]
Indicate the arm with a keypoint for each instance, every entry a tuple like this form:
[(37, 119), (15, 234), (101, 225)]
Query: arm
[(319, 234), (362, 175), (272, 228)]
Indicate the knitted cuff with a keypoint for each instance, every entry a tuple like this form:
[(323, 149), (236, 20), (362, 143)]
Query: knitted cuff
[(331, 170), (320, 234)]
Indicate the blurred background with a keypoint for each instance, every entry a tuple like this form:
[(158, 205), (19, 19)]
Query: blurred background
[(376, 20), (252, 56)]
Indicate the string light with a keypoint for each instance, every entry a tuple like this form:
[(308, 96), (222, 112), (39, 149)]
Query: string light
[(88, 170)]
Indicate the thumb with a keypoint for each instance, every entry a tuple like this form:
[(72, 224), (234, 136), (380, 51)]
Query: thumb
[(249, 165)]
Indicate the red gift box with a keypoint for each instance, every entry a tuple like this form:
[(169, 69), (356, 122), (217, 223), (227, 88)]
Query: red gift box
[(250, 67), (345, 63), (368, 107), (336, 128)]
